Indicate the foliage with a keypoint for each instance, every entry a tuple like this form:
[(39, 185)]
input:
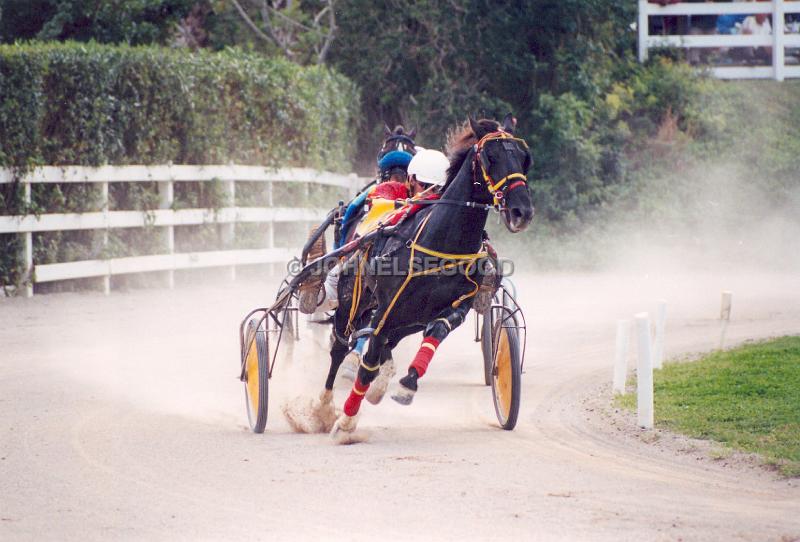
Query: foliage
[(432, 63), (108, 21), (90, 104), (747, 398)]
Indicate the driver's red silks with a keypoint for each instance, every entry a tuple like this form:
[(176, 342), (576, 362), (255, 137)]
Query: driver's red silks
[(353, 402), (425, 354)]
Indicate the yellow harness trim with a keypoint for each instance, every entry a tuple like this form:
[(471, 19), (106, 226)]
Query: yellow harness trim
[(447, 256), (355, 299), (428, 345), (358, 392), (459, 258), (370, 369)]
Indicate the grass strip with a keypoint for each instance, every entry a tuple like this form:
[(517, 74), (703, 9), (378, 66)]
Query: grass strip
[(746, 398)]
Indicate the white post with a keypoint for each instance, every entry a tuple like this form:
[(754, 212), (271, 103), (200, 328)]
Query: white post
[(166, 196), (644, 373), (643, 28), (28, 278), (270, 234), (104, 200), (621, 359), (229, 230), (778, 61), (658, 344), (725, 315)]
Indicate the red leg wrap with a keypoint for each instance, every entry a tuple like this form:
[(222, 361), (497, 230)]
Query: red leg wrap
[(424, 354), (353, 402)]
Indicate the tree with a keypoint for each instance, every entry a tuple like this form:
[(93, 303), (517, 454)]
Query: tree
[(107, 21), (301, 31)]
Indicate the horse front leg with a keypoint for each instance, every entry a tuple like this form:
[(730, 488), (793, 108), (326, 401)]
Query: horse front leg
[(343, 431), (435, 332), (309, 415)]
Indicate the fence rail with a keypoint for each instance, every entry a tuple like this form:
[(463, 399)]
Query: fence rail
[(779, 40), (164, 217)]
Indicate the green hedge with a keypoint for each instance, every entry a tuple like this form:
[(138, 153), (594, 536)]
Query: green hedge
[(90, 104)]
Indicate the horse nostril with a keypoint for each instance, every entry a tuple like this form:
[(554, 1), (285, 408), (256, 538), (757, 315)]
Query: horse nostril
[(516, 212)]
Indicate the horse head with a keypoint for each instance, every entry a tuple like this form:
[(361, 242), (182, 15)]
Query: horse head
[(499, 170), (398, 140), (397, 149)]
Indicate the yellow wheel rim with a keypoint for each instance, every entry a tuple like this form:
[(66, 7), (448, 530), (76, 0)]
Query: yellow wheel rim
[(503, 373), (252, 374)]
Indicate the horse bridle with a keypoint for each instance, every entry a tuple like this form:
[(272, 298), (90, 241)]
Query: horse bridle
[(397, 137), (482, 163)]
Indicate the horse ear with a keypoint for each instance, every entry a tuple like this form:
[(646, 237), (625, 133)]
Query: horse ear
[(413, 133), (509, 123), (386, 130), (476, 128)]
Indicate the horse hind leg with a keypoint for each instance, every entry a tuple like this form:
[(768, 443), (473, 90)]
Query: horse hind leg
[(387, 370), (435, 332)]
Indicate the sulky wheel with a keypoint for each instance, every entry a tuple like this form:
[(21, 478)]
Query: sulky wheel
[(506, 373), (256, 382)]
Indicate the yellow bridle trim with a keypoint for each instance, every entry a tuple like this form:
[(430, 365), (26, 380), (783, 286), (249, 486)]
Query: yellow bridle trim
[(492, 186)]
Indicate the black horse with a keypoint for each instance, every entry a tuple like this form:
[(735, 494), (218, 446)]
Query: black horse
[(420, 291)]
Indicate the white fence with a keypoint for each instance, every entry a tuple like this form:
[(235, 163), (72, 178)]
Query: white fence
[(165, 217), (779, 40)]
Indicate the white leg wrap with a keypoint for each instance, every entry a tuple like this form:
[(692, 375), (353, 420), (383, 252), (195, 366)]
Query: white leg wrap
[(378, 387)]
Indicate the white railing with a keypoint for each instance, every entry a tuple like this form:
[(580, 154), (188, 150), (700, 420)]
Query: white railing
[(778, 40), (165, 217)]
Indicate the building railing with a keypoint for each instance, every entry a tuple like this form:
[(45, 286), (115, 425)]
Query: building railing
[(778, 41), (165, 217)]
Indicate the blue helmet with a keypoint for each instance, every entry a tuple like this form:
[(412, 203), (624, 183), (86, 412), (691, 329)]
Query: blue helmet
[(394, 159)]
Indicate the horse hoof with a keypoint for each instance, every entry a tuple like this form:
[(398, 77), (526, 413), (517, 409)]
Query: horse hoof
[(403, 395), (378, 388), (344, 430)]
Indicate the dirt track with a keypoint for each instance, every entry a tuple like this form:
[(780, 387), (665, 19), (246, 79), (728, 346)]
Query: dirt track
[(121, 418)]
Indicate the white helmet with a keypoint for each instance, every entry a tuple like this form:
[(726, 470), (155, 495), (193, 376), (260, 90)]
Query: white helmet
[(429, 166)]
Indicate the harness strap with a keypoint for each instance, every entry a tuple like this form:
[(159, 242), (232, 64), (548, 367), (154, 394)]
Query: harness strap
[(358, 288), (447, 256), (459, 258)]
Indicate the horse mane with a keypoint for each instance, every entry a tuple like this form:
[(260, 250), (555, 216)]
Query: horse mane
[(460, 141), (399, 130)]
